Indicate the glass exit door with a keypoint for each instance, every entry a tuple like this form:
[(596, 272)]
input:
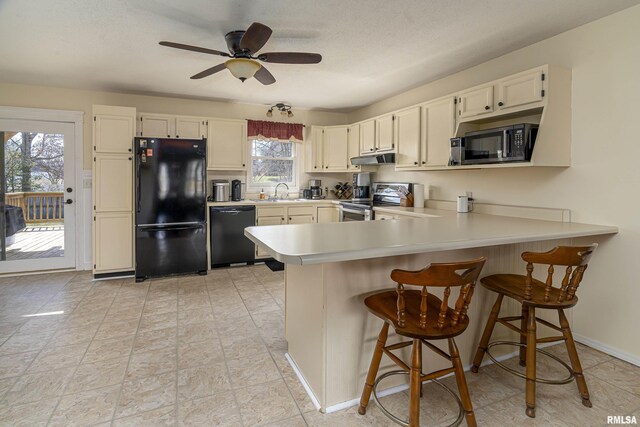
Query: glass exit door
[(37, 210)]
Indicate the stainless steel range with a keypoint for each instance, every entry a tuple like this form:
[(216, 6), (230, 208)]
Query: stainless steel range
[(384, 194)]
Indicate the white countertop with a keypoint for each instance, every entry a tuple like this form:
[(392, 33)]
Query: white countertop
[(344, 241)]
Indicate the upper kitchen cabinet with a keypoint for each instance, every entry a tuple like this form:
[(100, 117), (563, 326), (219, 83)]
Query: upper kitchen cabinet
[(227, 144), (168, 126), (423, 134), (439, 126), (113, 129), (475, 102), (408, 137), (335, 150), (315, 157), (353, 146), (368, 137), (385, 133), (520, 89)]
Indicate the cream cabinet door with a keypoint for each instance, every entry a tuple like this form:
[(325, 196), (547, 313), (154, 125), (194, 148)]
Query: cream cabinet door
[(439, 120), (368, 137), (113, 183), (328, 214), (317, 145), (301, 219), (335, 148), (383, 216), (353, 145), (521, 89), (113, 242), (267, 220), (157, 126), (191, 128), (475, 102), (113, 134), (227, 144), (384, 133), (408, 137)]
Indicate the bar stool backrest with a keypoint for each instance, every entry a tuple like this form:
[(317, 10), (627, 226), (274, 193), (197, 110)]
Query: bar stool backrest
[(574, 258), (447, 275)]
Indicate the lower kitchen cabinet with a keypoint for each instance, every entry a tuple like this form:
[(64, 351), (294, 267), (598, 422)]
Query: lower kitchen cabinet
[(278, 215), (328, 214), (113, 242)]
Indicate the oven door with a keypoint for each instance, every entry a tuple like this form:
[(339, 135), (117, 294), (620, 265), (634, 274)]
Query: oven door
[(487, 147), (347, 214)]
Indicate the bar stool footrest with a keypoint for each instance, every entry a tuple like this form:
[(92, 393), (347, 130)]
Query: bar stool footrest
[(566, 380), (397, 420)]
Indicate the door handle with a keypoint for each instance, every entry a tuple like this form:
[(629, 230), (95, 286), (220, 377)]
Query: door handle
[(68, 201)]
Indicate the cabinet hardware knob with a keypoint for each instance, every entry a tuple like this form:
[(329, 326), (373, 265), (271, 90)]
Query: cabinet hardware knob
[(486, 107), (168, 136), (415, 163), (315, 167), (289, 219), (370, 149), (500, 104), (177, 136), (129, 149), (326, 167), (283, 219), (423, 162), (130, 158), (243, 165)]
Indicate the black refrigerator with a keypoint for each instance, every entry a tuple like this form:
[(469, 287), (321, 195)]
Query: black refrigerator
[(171, 232)]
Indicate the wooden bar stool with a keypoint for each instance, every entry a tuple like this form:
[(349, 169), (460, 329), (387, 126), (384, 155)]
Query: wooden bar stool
[(534, 294), (421, 316)]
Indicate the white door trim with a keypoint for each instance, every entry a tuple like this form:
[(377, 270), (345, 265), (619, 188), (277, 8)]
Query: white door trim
[(77, 119)]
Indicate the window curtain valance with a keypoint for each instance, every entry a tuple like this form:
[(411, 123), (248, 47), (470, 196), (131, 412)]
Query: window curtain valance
[(257, 129)]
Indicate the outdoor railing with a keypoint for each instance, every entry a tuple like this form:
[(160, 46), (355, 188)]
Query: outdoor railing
[(38, 206)]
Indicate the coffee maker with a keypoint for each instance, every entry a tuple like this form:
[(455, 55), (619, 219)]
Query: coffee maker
[(361, 187), (316, 188)]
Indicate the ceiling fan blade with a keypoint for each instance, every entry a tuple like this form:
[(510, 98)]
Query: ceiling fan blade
[(255, 37), (209, 71), (264, 76), (193, 48), (290, 57)]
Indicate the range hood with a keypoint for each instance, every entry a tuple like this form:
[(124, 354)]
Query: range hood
[(375, 159)]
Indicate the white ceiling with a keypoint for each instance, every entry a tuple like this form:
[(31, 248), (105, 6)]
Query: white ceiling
[(371, 48)]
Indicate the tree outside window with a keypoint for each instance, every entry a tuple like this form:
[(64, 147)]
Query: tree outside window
[(272, 162)]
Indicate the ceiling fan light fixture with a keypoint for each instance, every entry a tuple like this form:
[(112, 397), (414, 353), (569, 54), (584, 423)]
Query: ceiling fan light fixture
[(242, 68), (290, 113), (270, 112)]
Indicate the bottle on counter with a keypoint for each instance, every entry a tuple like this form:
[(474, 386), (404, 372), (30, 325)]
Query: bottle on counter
[(262, 196)]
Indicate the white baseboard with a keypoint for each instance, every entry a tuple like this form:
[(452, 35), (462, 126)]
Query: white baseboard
[(385, 392), (612, 351)]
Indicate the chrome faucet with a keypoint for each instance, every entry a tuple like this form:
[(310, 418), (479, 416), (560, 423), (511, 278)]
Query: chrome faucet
[(275, 196)]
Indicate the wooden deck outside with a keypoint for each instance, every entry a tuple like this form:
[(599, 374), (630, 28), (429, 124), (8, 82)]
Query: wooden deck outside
[(34, 242)]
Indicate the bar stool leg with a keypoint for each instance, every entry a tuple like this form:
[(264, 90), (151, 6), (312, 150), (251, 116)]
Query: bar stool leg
[(523, 338), (415, 384), (486, 335), (531, 363), (462, 384), (373, 369), (575, 360)]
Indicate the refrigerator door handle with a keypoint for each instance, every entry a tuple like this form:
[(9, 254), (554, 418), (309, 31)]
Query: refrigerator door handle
[(138, 207)]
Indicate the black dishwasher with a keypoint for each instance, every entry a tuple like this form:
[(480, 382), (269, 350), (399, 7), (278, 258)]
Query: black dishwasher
[(228, 242)]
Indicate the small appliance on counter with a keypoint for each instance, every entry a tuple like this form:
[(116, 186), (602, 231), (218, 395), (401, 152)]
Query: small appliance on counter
[(316, 189), (220, 190), (306, 193), (237, 193), (361, 187)]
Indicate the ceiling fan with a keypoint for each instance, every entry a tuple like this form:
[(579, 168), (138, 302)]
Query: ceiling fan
[(243, 46)]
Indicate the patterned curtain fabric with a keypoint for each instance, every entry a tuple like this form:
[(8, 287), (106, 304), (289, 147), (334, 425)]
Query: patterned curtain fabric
[(274, 130)]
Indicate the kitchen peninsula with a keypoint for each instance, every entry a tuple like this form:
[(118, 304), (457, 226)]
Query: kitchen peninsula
[(331, 267)]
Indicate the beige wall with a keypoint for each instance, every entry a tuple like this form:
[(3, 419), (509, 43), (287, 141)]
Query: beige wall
[(82, 100), (601, 187)]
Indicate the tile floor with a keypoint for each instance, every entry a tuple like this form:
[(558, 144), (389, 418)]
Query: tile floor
[(184, 351)]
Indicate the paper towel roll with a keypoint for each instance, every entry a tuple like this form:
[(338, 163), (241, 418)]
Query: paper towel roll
[(418, 195)]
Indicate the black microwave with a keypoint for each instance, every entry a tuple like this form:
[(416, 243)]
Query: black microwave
[(498, 145)]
